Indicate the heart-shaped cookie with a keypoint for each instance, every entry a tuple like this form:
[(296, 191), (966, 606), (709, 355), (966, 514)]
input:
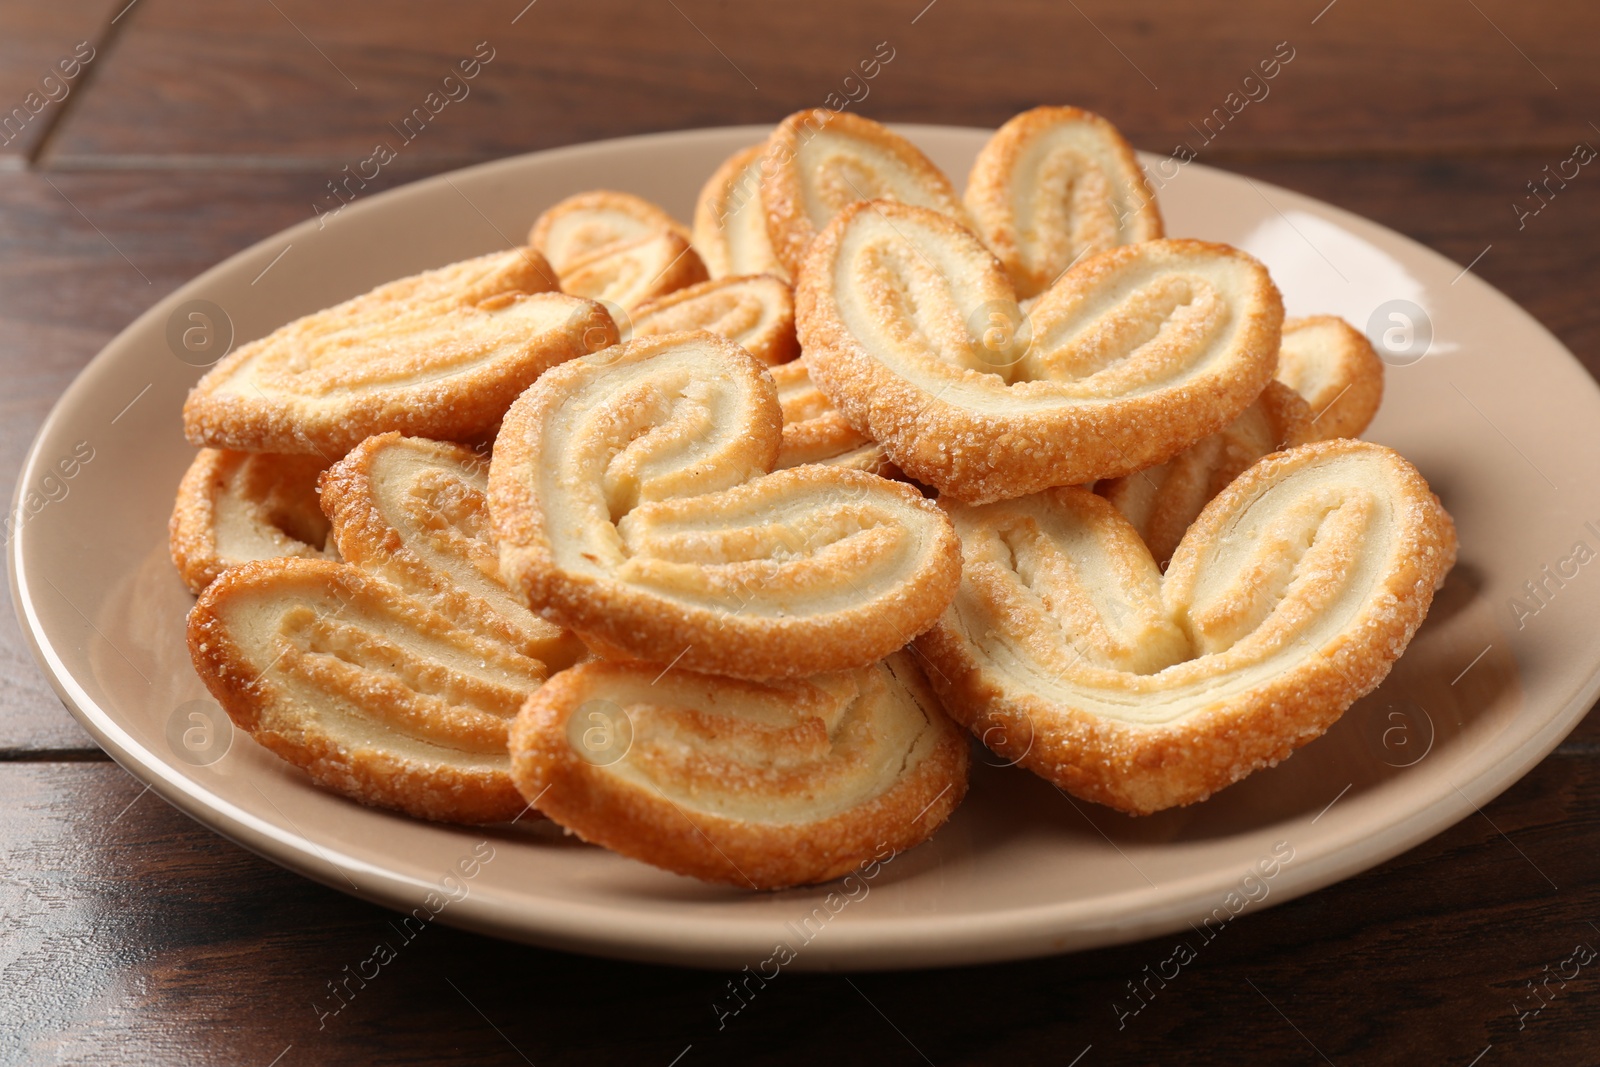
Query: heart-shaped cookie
[(633, 503), (1053, 185), (1291, 596), (911, 327), (371, 692), (440, 354), (759, 785), (415, 513)]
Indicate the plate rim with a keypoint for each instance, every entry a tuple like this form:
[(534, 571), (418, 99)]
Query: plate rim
[(889, 942)]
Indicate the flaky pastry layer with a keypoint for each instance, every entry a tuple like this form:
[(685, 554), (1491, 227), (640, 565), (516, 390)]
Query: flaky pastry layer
[(755, 785), (369, 691), (1054, 185), (911, 328), (1292, 595), (755, 312), (1335, 368), (587, 223), (415, 513), (633, 503), (440, 354), (730, 224), (819, 162), (233, 507)]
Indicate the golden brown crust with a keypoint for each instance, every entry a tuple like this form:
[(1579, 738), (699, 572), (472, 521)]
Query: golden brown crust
[(815, 432), (1163, 501), (730, 225), (633, 273), (415, 513), (818, 162), (233, 507), (632, 503), (1335, 368), (370, 692), (758, 786), (1290, 597), (440, 354), (1056, 184), (588, 223), (754, 311), (938, 365)]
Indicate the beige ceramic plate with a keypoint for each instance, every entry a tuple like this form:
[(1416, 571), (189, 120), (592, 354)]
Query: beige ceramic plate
[(1501, 419)]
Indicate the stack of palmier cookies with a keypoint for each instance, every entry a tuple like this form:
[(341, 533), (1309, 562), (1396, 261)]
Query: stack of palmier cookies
[(704, 543)]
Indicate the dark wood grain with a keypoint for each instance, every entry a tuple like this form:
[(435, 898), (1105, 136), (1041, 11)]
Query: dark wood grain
[(131, 935), (39, 42), (306, 80)]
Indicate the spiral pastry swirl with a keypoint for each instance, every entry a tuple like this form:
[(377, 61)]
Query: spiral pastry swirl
[(755, 312), (233, 507), (601, 220), (1290, 597), (415, 513), (371, 692), (440, 354), (911, 328), (819, 162), (1054, 185), (632, 502), (1339, 371), (759, 785)]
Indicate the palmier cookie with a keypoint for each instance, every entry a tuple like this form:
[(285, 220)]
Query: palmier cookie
[(815, 432), (1056, 184), (730, 223), (762, 785), (819, 162), (628, 275), (632, 503), (414, 512), (441, 354), (581, 226), (369, 691), (1329, 363), (755, 312), (911, 328), (234, 507), (1289, 598), (1162, 501)]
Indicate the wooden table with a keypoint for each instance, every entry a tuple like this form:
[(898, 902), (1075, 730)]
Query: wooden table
[(129, 934)]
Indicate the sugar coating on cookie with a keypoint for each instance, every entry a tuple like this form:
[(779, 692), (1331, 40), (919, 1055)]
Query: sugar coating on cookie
[(371, 692), (1290, 597), (914, 332), (755, 312), (440, 354), (757, 785), (1054, 185), (635, 502)]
